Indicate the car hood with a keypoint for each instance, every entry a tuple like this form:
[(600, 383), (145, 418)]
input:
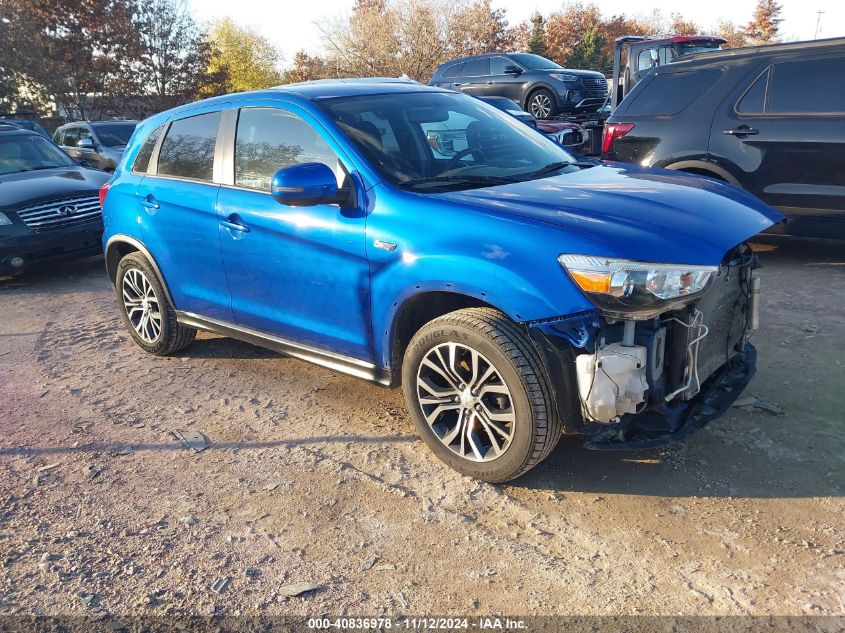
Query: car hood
[(617, 210), (567, 71), (43, 184)]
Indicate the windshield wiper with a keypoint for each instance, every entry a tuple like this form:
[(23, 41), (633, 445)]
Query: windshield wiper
[(550, 168), (458, 179)]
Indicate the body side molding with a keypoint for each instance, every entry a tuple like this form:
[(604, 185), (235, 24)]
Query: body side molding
[(331, 360)]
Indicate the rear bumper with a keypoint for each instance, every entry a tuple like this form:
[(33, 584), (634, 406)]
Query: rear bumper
[(38, 247), (652, 429)]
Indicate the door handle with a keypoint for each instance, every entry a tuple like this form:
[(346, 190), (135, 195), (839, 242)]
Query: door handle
[(741, 132), (232, 225), (149, 202)]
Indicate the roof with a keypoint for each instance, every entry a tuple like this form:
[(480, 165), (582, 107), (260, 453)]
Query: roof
[(328, 88), (9, 129), (747, 51)]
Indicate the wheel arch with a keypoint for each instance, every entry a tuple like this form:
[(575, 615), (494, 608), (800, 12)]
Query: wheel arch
[(704, 168), (540, 86), (418, 309), (119, 246)]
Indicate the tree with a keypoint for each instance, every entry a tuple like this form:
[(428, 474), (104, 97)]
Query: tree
[(590, 53), (174, 57), (765, 23), (734, 35), (306, 68), (479, 28), (77, 51), (565, 29), (240, 59), (537, 41), (365, 44)]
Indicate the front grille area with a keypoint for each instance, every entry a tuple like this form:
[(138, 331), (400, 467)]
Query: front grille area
[(60, 213), (594, 83)]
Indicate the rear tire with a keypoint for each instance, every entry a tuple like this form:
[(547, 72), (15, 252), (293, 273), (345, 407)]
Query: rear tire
[(479, 394), (542, 104), (145, 309)]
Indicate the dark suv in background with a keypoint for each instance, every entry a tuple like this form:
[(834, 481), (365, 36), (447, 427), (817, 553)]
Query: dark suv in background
[(539, 85), (770, 119), (99, 144)]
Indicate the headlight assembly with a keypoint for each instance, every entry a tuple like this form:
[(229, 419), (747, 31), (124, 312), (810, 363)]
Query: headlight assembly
[(4, 220), (627, 288), (564, 77)]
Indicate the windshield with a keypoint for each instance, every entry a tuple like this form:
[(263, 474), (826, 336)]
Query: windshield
[(28, 153), (533, 62), (434, 140), (114, 134)]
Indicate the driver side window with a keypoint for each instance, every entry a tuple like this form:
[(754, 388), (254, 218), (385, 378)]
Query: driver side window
[(269, 139)]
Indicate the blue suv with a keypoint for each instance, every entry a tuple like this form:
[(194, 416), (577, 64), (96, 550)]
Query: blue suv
[(513, 292)]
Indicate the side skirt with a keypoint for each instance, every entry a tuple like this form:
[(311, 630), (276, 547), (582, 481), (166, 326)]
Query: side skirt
[(337, 362)]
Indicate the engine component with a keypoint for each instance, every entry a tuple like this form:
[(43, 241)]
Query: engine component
[(612, 382)]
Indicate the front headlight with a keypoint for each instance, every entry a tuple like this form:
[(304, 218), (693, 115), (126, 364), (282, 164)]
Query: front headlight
[(632, 288), (4, 220), (564, 77)]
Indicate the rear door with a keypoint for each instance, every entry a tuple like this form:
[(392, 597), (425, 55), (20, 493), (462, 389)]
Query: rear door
[(450, 77), (781, 133), (501, 84), (474, 76), (178, 216)]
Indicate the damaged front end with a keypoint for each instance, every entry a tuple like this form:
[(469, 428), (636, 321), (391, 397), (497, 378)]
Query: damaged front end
[(666, 353)]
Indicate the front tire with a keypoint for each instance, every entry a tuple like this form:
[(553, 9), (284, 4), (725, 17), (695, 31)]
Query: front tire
[(479, 395), (542, 104), (145, 309)]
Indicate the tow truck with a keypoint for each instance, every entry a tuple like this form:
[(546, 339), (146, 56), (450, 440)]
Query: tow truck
[(639, 54)]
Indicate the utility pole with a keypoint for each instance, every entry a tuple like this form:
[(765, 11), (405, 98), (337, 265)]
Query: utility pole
[(818, 23)]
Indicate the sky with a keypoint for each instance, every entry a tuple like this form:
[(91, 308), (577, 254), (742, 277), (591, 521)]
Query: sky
[(292, 25)]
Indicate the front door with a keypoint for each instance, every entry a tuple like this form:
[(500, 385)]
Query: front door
[(178, 217), (502, 84), (299, 273), (781, 133)]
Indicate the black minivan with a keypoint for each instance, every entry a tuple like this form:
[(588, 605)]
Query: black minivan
[(770, 119)]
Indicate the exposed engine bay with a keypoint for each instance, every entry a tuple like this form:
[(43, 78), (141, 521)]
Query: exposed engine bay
[(665, 360)]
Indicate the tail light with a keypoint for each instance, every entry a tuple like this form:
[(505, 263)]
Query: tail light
[(613, 131), (103, 191)]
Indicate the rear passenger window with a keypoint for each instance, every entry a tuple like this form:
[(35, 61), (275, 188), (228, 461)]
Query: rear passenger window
[(453, 71), (669, 93), (142, 160), (59, 137), (812, 86), (188, 149), (269, 139), (475, 68), (754, 100)]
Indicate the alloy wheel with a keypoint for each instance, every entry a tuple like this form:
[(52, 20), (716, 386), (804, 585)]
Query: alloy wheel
[(541, 106), (466, 402), (141, 304)]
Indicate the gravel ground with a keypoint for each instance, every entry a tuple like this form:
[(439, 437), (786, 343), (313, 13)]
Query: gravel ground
[(313, 477)]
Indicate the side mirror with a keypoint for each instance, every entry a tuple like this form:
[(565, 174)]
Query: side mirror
[(513, 70), (305, 185), (85, 143), (652, 53)]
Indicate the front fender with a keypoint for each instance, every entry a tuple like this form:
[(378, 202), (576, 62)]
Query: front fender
[(501, 261)]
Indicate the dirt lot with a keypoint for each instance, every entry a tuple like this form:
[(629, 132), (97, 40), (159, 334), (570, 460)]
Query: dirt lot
[(313, 477)]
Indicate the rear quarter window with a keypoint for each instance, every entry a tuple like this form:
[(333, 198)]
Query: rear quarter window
[(666, 94), (142, 160)]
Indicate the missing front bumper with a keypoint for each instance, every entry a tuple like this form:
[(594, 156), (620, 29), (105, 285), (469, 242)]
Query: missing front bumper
[(652, 429)]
